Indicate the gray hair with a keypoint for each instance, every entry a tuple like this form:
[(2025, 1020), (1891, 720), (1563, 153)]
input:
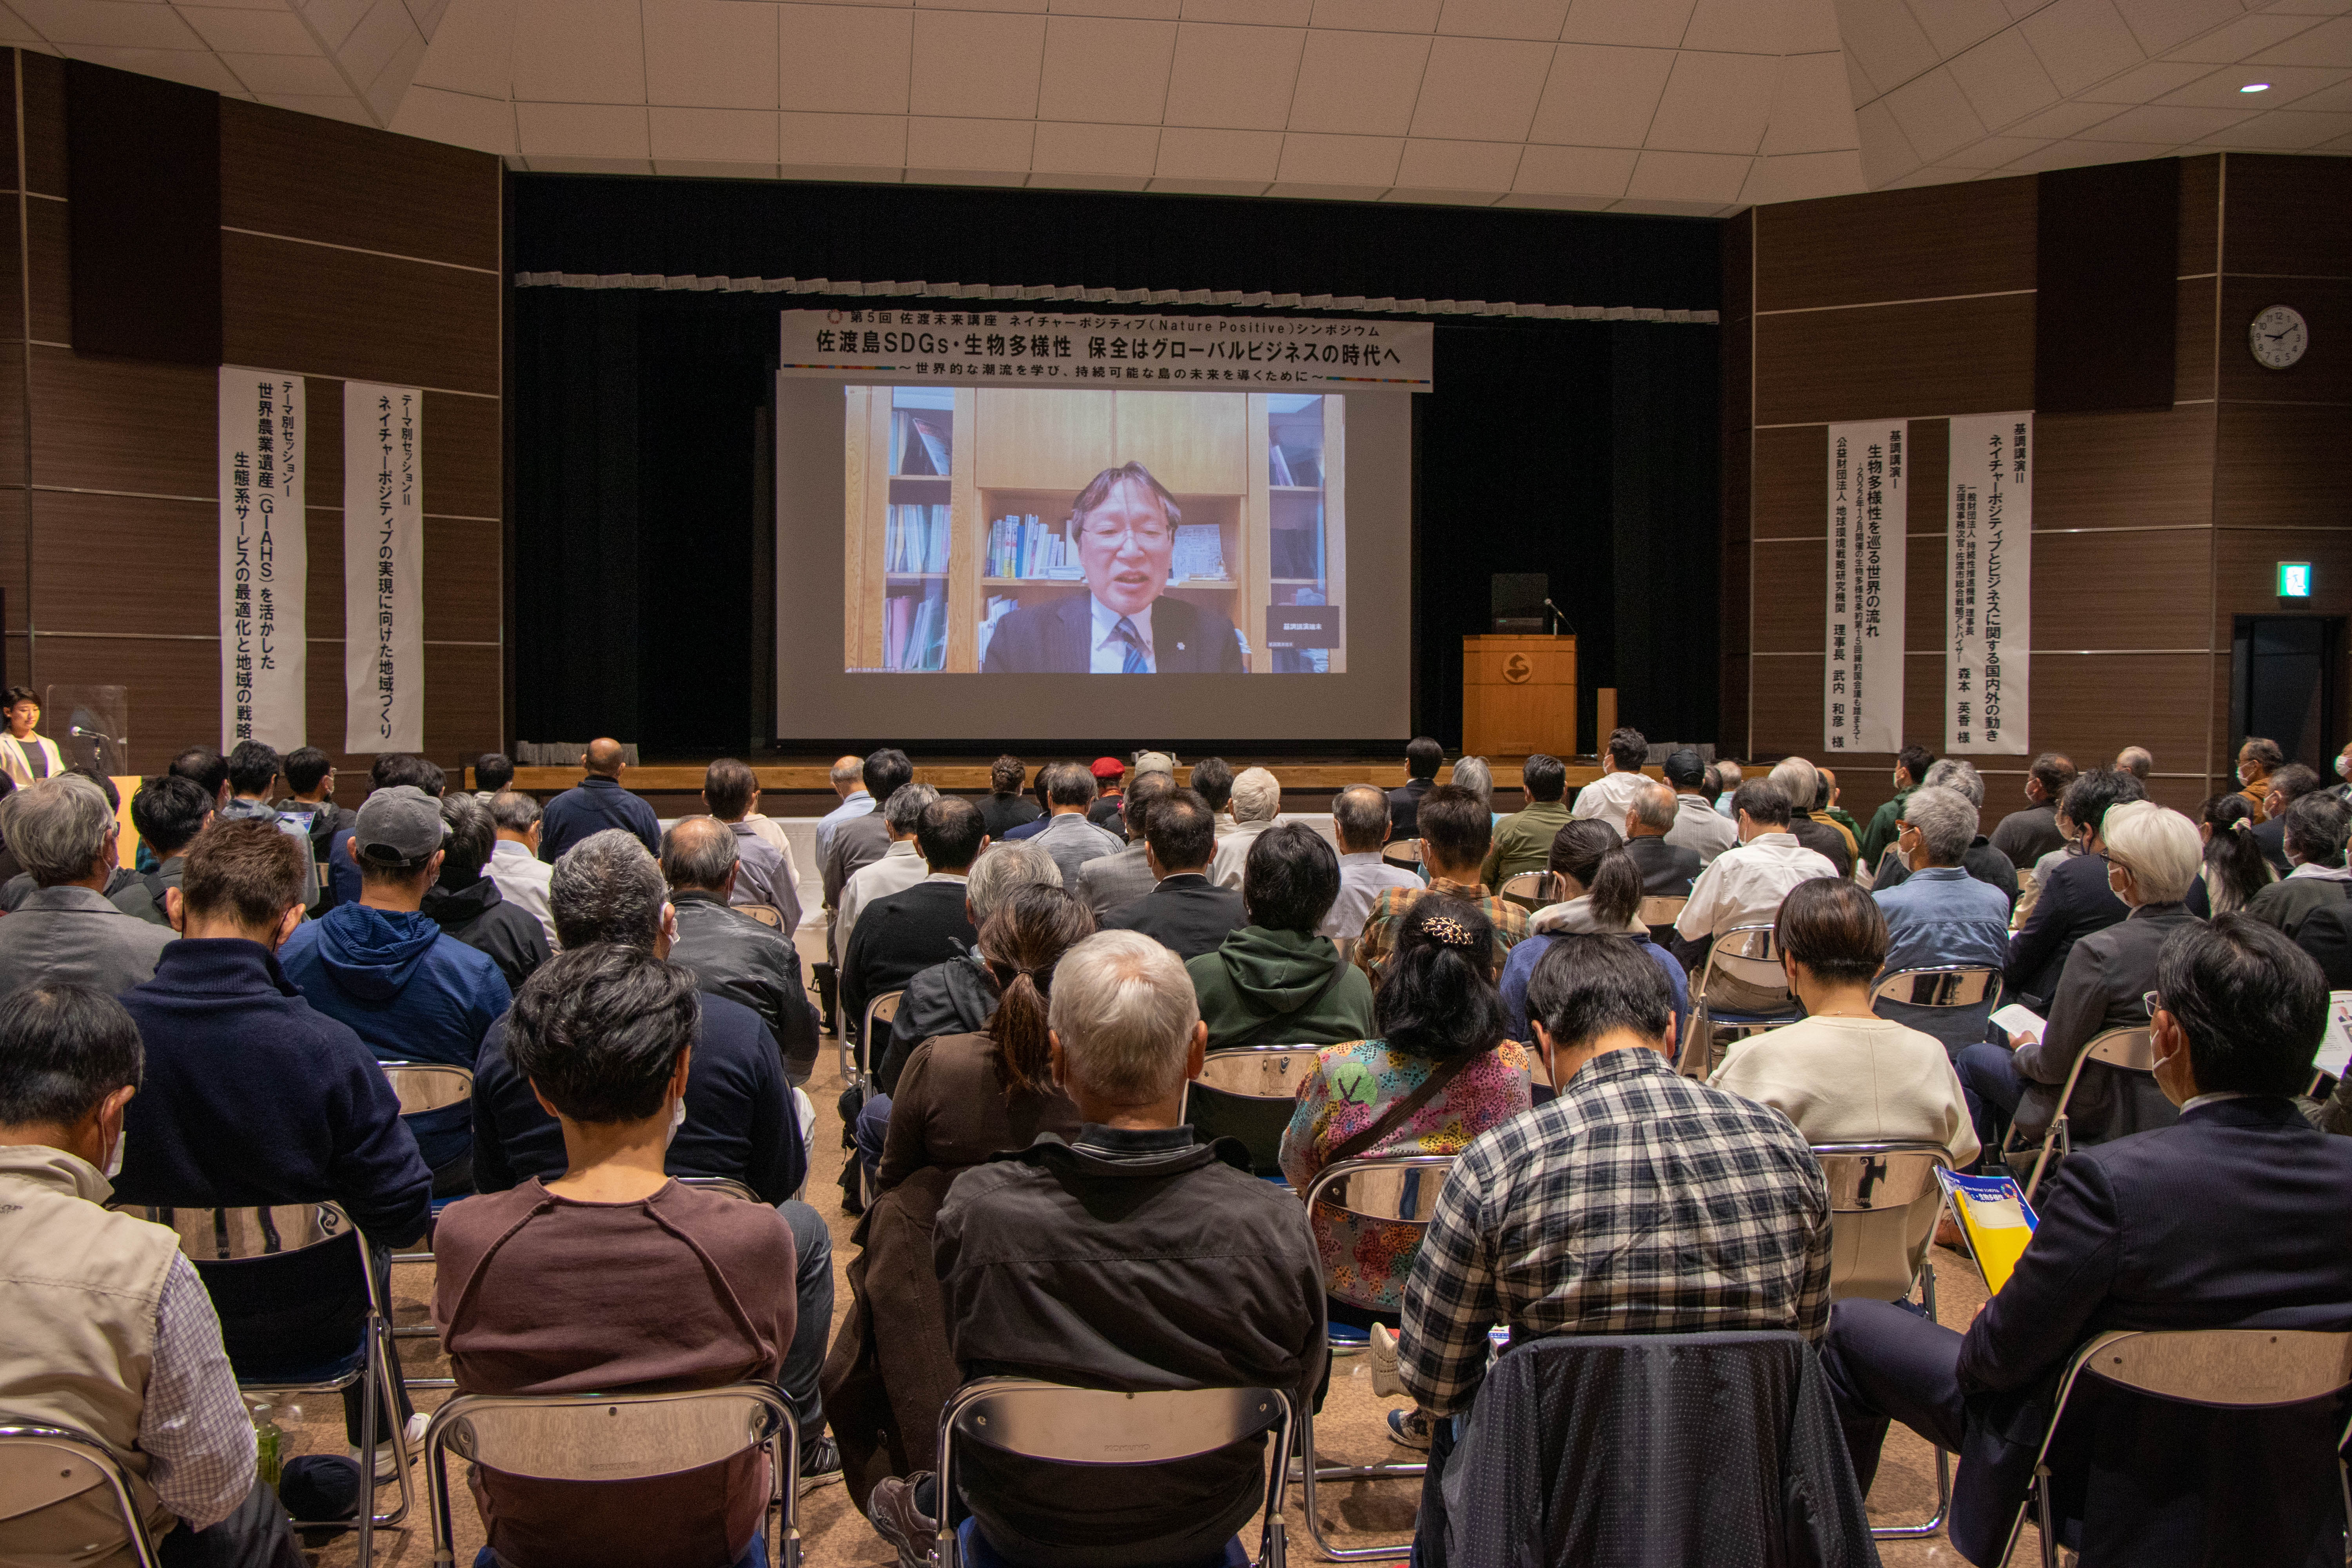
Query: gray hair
[(904, 809), (513, 811), (2157, 846), (1360, 814), (1124, 1009), (1473, 774), (1798, 781), (1957, 774), (58, 826), (1003, 867), (849, 771), (1656, 806), (1947, 821), (1256, 797), (698, 853), (608, 888), (469, 833)]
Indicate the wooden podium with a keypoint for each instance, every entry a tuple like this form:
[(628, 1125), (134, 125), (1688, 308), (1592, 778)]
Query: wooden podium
[(1519, 696)]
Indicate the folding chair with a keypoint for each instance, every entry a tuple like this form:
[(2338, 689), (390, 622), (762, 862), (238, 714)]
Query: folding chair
[(766, 914), (43, 1465), (1097, 1426), (1954, 986), (1405, 852), (424, 1087), (300, 1309), (1400, 1190), (2244, 1369), (857, 1056), (1660, 911), (614, 1438), (2128, 1049), (1248, 1093), (1873, 1187), (1529, 889), (1752, 948)]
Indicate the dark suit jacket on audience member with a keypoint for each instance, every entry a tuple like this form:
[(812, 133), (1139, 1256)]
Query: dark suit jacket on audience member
[(589, 807), (999, 813), (1109, 814), (1404, 808), (1822, 840), (2106, 976), (1186, 913), (1057, 638), (1114, 881), (1666, 869), (895, 939), (2027, 836), (734, 956), (856, 844), (481, 919), (1980, 861), (2075, 902)]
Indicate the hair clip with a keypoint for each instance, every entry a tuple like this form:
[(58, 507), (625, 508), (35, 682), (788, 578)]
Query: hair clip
[(1448, 930)]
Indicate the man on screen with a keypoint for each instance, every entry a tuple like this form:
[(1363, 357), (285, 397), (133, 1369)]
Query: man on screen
[(1124, 526)]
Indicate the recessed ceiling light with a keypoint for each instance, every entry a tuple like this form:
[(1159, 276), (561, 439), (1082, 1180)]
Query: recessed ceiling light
[(2255, 86)]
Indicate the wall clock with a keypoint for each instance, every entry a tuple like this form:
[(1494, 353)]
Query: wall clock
[(2278, 337)]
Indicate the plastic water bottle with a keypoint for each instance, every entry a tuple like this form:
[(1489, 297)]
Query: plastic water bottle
[(269, 1443)]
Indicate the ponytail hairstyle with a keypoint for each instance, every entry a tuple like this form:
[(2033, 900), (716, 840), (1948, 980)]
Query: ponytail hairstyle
[(1020, 942), (1591, 852), (1437, 996), (2234, 869)]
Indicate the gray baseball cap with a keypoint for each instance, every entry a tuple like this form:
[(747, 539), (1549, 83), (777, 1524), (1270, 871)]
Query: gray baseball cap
[(399, 827), (1153, 763)]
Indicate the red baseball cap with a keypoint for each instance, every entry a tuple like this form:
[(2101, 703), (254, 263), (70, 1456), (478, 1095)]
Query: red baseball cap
[(1109, 768)]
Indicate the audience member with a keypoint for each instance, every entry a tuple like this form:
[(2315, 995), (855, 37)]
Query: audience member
[(956, 996), (730, 954), (1523, 839), (2315, 831), (611, 1275), (1114, 881), (1980, 859), (1423, 758), (389, 770), (206, 769), (1939, 916), (1725, 781), (2284, 786), (1172, 1267), (1827, 810), (2127, 1239), (515, 865), (1800, 783), (1611, 797), (111, 1332), (1473, 774), (2234, 869), (2073, 899), (1598, 888), (1067, 835), (2027, 836), (310, 775), (1256, 803), (65, 932), (26, 755), (1110, 805), (2342, 790), (1276, 980), (1697, 825), (1911, 766), (763, 873), (1668, 869), (1743, 886), (169, 813), (1184, 912), (596, 802), (1845, 1075), (896, 868), (848, 781), (2151, 857), (859, 840), (1006, 807), (1213, 781), (903, 932), (493, 771), (21, 886), (1455, 831), (466, 904), (252, 774), (2137, 761), (2256, 758), (1359, 821)]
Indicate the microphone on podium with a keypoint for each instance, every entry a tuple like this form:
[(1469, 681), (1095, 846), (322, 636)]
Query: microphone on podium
[(1556, 610)]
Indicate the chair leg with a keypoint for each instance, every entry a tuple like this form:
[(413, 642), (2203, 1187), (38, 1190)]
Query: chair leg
[(2042, 1514), (1310, 1473), (371, 1383), (400, 1455), (436, 1500)]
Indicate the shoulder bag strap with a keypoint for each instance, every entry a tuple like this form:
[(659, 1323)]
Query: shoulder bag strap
[(1431, 1087)]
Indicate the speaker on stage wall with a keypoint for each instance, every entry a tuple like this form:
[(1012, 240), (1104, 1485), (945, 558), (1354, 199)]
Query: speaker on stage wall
[(1517, 602)]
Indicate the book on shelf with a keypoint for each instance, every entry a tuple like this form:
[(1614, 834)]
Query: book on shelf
[(1199, 552), (999, 606), (915, 538), (923, 448), (1024, 548), (914, 630)]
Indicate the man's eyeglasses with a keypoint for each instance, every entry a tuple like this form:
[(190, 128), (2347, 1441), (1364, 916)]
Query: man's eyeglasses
[(1149, 535)]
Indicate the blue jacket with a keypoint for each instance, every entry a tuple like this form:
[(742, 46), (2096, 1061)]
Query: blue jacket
[(252, 1097), (589, 807), (1944, 916), (1521, 965), (413, 993)]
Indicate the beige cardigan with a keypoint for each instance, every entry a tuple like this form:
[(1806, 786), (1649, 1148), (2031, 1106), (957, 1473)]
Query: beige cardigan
[(13, 762)]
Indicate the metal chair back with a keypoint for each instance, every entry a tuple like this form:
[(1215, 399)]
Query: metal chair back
[(1660, 911), (1403, 852), (2128, 1050), (1746, 952), (1248, 1092), (725, 1186), (428, 1085), (1530, 888), (42, 1466), (766, 914), (880, 1009), (1059, 1424), (613, 1438), (1874, 1189), (1940, 985)]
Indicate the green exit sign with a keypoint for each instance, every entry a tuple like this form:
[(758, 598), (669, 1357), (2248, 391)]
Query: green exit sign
[(2294, 579)]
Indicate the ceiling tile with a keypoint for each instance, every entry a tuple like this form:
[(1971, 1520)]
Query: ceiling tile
[(1811, 26), (1671, 209), (428, 15), (976, 65), (2062, 120), (343, 107), (1934, 115), (2159, 25), (1658, 24), (15, 29), (1358, 83), (2082, 154), (391, 84), (691, 169), (1189, 153), (1147, 10), (1738, 26), (2242, 39), (2220, 90), (714, 135), (2329, 44), (1240, 78), (2145, 83), (1804, 176), (1688, 177), (1068, 148), (1459, 165), (1810, 112), (1104, 70), (386, 33), (1000, 145), (191, 68), (2338, 97), (1859, 85), (1257, 12), (1503, 19), (579, 51), (1601, 97), (1481, 88), (1285, 190), (1933, 175), (2081, 41), (711, 54), (1715, 103), (1036, 6), (2309, 7), (1575, 170), (485, 124), (1056, 179), (473, 52), (1441, 196), (1538, 202), (1993, 151), (1379, 15), (1886, 154), (253, 32), (553, 163), (109, 23), (1952, 25), (2002, 79), (1886, 39), (288, 73), (582, 130), (2284, 130), (851, 141), (843, 59), (1318, 159), (1186, 186), (2154, 122)]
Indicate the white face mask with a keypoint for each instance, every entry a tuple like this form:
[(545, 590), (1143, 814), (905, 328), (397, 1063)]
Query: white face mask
[(2344, 766), (114, 1164), (676, 1120)]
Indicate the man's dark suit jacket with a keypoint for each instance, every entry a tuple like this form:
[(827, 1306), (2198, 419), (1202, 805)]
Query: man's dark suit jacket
[(896, 937), (2106, 977), (2076, 902), (2234, 1218), (1666, 869), (1186, 913), (1057, 638), (589, 807), (1824, 841), (1404, 808)]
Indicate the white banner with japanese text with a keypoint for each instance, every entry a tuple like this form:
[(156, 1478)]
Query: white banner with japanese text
[(384, 568), (265, 558), (1862, 679), (1000, 347), (1990, 517)]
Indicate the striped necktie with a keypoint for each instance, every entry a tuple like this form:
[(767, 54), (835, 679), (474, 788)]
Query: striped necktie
[(1138, 661)]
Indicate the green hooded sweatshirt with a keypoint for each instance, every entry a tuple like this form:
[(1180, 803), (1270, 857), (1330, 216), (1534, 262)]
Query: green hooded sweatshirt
[(1269, 987)]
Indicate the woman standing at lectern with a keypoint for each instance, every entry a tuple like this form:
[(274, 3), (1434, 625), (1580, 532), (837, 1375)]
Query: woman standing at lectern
[(26, 755)]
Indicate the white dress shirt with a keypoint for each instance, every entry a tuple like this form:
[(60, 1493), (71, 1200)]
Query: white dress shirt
[(523, 879), (1363, 876), (899, 869), (1232, 856), (1608, 797), (1745, 886), (1110, 648)]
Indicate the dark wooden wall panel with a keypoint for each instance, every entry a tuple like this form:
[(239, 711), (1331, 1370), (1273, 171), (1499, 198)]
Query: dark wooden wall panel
[(1790, 590), (1953, 356), (2200, 213), (463, 601), (461, 701), (12, 567), (2283, 464), (45, 124), (125, 425), (322, 702), (2288, 215), (307, 178), (1926, 617), (12, 416), (1791, 482), (2139, 589), (1931, 471), (325, 407), (2138, 469), (2100, 704), (326, 600), (366, 317), (174, 688), (464, 444), (46, 248), (8, 145), (177, 586), (2245, 577), (2192, 348), (1788, 705), (1929, 243)]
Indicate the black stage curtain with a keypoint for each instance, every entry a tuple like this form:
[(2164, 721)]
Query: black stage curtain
[(1585, 451)]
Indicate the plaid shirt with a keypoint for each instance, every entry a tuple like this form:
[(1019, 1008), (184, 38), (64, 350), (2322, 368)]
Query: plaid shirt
[(1637, 1202), (1389, 910)]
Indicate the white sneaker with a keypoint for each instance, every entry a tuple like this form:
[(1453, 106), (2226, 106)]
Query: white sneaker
[(1385, 1380), (388, 1455)]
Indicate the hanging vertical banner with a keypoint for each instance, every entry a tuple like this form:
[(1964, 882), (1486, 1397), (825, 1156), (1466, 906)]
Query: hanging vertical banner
[(384, 568), (265, 558), (1991, 523), (1862, 679)]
